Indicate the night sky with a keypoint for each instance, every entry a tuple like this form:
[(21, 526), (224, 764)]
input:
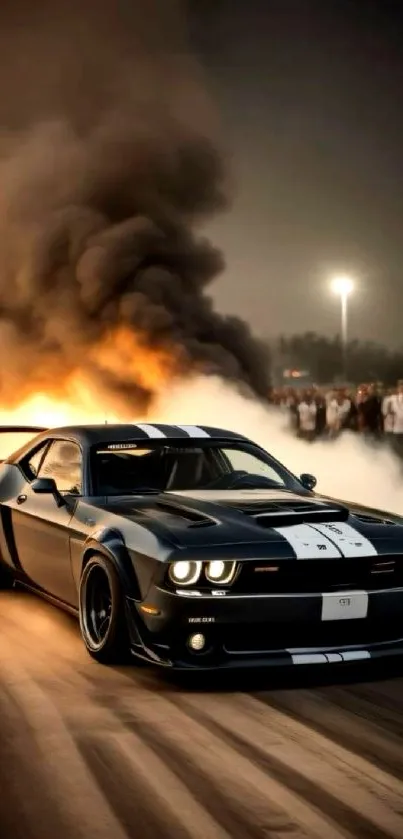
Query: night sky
[(310, 96)]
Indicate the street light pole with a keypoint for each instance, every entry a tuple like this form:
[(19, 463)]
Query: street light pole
[(344, 334), (343, 286)]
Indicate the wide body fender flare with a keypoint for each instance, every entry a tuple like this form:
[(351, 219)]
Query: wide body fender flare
[(110, 543)]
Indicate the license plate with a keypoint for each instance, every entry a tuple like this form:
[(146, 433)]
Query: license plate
[(350, 605)]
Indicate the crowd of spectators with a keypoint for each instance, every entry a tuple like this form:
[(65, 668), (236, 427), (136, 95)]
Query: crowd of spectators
[(370, 409)]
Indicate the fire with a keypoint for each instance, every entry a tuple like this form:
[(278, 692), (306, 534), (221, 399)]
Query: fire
[(126, 355), (43, 409), (85, 396)]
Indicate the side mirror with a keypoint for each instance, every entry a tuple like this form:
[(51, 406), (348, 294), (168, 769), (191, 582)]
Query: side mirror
[(308, 481), (47, 486)]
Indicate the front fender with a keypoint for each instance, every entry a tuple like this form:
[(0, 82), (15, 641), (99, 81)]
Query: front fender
[(110, 543)]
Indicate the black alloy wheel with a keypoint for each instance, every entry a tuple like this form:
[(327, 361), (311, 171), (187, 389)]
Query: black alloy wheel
[(102, 613)]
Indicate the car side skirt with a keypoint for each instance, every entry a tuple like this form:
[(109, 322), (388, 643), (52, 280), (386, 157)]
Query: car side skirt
[(44, 595)]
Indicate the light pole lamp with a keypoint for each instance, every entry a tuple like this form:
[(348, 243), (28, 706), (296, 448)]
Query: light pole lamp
[(343, 286)]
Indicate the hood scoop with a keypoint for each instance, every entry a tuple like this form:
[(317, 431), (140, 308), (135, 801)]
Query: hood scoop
[(186, 515), (367, 519), (281, 514)]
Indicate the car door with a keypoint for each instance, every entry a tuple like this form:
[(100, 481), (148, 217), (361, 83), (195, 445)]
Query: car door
[(41, 527)]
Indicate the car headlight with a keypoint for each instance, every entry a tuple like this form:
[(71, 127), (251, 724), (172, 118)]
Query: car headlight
[(219, 571), (185, 572)]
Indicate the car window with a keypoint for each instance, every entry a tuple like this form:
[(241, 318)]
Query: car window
[(31, 464), (244, 461), (63, 463), (125, 468)]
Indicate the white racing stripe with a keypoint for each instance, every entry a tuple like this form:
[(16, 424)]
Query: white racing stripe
[(193, 430), (355, 655), (308, 658), (150, 430), (329, 658), (349, 540), (336, 539), (308, 543)]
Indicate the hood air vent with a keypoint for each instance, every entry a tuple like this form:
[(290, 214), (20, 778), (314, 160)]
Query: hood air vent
[(283, 513), (193, 518), (367, 519)]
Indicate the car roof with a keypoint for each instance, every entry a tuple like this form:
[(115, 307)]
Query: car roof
[(99, 435)]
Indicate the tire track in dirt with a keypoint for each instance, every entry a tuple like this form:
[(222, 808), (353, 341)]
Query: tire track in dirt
[(98, 752)]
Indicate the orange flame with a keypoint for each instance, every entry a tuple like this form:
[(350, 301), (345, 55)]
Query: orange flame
[(81, 397), (127, 356)]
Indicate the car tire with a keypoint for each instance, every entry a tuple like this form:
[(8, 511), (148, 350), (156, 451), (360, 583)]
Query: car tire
[(6, 577), (102, 612)]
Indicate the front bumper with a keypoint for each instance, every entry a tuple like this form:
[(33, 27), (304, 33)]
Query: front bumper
[(244, 631)]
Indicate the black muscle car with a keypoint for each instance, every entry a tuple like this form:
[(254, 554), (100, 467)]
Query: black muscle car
[(191, 547)]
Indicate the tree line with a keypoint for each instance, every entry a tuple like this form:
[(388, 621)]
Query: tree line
[(322, 357)]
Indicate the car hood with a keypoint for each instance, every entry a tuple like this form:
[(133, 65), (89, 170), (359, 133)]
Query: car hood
[(299, 524)]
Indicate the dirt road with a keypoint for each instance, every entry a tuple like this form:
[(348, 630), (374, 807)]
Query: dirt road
[(86, 751)]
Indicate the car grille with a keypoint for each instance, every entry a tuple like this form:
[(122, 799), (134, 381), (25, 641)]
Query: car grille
[(267, 637), (318, 575)]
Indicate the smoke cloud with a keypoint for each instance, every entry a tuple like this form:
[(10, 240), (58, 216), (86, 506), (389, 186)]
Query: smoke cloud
[(348, 468), (109, 169)]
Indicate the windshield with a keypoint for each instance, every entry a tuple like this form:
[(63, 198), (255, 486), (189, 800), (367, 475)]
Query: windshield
[(125, 468)]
